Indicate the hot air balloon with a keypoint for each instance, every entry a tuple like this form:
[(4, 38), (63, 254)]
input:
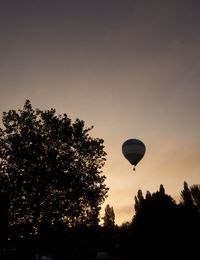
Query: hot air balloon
[(133, 150)]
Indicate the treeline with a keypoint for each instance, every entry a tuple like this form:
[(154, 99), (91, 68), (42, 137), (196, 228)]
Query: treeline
[(160, 227)]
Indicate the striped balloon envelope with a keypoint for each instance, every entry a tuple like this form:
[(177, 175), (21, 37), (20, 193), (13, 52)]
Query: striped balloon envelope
[(133, 150)]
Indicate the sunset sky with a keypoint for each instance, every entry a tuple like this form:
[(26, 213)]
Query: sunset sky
[(131, 68)]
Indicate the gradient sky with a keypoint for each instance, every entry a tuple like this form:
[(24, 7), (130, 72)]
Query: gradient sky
[(131, 68)]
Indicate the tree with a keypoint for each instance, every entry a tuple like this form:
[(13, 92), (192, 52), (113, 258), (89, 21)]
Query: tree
[(153, 208), (156, 224), (160, 223), (109, 217), (190, 197), (195, 191), (138, 200), (50, 168), (186, 197)]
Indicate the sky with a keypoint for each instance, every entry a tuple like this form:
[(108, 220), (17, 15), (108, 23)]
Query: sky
[(130, 68)]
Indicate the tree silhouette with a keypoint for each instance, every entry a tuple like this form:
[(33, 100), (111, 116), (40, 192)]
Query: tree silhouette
[(109, 217), (138, 200), (153, 208), (154, 222), (195, 191), (190, 197), (186, 197), (50, 168), (161, 227)]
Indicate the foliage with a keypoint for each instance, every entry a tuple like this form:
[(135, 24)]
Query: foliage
[(159, 227), (159, 222), (138, 200), (195, 191), (109, 217), (153, 207), (186, 197), (190, 196), (50, 168)]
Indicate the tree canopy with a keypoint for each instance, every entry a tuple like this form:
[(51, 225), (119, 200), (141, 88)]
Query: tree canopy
[(160, 222), (109, 217), (50, 168)]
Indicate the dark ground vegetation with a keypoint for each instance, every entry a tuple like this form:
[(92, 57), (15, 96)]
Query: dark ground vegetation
[(160, 227)]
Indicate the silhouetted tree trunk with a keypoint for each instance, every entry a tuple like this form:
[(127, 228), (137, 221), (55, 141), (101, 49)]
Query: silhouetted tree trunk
[(4, 207)]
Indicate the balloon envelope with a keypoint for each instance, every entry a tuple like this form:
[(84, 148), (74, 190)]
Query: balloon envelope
[(133, 150)]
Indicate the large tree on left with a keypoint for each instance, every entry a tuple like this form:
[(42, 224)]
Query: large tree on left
[(50, 168)]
